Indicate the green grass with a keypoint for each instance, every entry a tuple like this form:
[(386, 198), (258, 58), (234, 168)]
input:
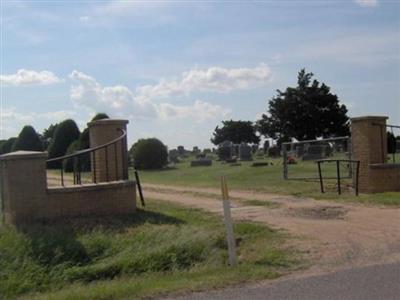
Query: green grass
[(165, 248), (267, 179)]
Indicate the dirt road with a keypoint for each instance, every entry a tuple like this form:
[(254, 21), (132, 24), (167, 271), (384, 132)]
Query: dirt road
[(334, 235)]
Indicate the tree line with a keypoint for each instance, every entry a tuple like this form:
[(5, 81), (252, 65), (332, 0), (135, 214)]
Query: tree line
[(58, 139)]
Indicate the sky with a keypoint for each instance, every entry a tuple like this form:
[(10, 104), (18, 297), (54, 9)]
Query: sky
[(176, 69)]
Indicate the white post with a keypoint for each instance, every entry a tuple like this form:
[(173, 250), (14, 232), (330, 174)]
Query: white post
[(228, 223)]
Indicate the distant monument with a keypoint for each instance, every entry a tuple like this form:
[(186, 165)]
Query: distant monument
[(245, 152)]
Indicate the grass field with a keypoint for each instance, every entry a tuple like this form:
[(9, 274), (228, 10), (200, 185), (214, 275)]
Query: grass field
[(165, 248), (266, 178)]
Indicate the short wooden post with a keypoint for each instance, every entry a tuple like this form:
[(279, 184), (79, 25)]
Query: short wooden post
[(228, 223)]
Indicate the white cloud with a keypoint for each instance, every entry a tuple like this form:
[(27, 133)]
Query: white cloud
[(215, 79), (367, 3), (84, 19), (117, 100), (121, 101), (25, 77), (200, 111), (13, 121)]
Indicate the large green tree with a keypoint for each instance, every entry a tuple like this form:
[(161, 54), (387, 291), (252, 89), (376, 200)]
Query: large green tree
[(236, 132), (66, 133), (28, 140), (48, 135), (149, 154), (304, 112), (83, 162)]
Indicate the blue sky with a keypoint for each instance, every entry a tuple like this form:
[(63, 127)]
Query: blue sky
[(175, 69)]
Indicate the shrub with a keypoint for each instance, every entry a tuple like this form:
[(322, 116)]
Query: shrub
[(149, 154), (7, 145), (28, 140), (66, 132), (100, 116)]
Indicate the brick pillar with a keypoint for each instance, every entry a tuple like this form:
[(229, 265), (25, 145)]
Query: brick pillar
[(22, 185), (112, 163), (369, 146)]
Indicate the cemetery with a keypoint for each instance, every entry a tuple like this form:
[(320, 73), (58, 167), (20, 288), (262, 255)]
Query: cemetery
[(199, 150)]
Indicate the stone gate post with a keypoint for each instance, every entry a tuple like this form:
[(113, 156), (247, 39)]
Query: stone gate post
[(22, 185), (112, 163), (369, 146)]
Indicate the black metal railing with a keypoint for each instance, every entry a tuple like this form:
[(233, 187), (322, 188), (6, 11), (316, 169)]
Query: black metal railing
[(339, 178), (93, 152), (384, 139)]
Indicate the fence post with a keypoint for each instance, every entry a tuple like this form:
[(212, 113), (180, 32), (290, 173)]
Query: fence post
[(228, 223)]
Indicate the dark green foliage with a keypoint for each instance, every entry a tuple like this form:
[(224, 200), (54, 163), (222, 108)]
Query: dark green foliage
[(28, 140), (149, 154), (304, 112), (82, 162), (1, 144), (236, 132), (66, 132), (48, 135), (391, 143), (6, 146), (100, 116)]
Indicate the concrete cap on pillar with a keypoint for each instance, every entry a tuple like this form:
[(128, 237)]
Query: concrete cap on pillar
[(372, 118), (106, 122), (23, 155)]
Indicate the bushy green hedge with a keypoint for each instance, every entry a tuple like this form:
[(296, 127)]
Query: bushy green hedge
[(149, 154), (28, 140), (7, 145), (66, 133)]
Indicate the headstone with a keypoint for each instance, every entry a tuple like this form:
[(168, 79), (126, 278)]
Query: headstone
[(273, 151), (173, 156), (225, 150), (299, 150), (254, 148), (245, 152), (266, 146), (201, 162), (196, 150), (181, 150), (315, 152), (397, 146)]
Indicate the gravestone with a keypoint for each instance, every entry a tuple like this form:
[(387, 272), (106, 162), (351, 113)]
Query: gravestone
[(266, 146), (299, 150), (274, 151), (173, 156), (196, 150), (181, 150), (245, 152), (398, 146), (254, 148), (225, 150), (315, 152), (201, 162)]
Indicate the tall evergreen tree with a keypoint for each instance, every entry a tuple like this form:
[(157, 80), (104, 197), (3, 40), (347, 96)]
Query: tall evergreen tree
[(28, 140), (66, 133)]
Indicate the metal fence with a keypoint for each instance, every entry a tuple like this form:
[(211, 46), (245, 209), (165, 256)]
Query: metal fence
[(299, 158), (78, 156), (392, 144)]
